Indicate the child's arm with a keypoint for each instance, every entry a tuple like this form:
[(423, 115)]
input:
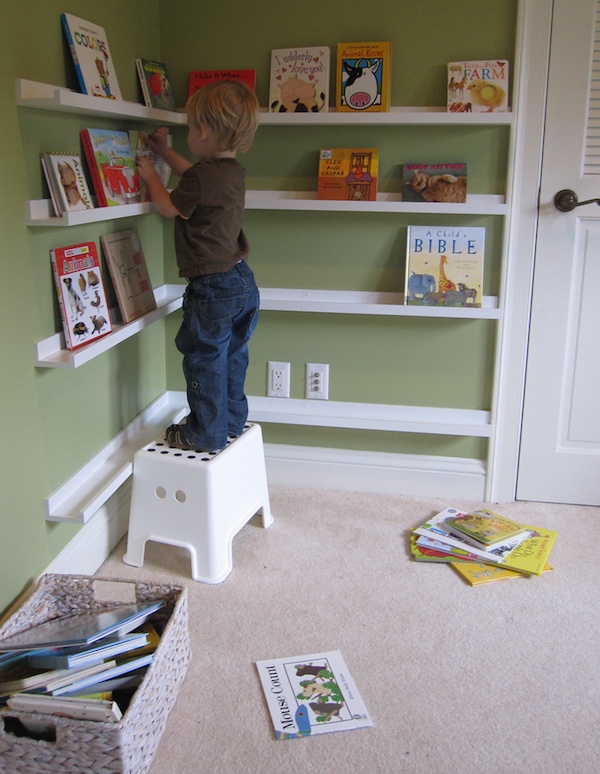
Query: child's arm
[(158, 193), (158, 142)]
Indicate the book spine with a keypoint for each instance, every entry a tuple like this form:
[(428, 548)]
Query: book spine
[(71, 44), (61, 305), (90, 157), (143, 83)]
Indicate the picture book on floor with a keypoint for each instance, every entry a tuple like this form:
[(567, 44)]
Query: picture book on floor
[(66, 182), (478, 86), (313, 694), (478, 574), (442, 182), (111, 164), (199, 78), (81, 294), (155, 84), (349, 174), (299, 80), (129, 273), (363, 77), (91, 56), (444, 266)]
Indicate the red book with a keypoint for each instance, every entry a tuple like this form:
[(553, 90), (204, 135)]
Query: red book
[(199, 78)]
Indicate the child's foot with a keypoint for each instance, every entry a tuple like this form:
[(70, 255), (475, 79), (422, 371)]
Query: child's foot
[(175, 437)]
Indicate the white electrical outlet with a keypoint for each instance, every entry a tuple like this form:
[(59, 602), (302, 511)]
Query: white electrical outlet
[(317, 381), (278, 379)]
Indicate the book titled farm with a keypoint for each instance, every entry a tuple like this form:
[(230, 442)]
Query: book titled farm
[(363, 77), (479, 86), (309, 695), (81, 293), (348, 174), (91, 56), (199, 78), (435, 183), (444, 266), (66, 181), (299, 80), (155, 84), (129, 273), (111, 165)]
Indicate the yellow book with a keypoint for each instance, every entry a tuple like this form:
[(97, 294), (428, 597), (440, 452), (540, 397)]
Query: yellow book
[(363, 77), (477, 573), (348, 174)]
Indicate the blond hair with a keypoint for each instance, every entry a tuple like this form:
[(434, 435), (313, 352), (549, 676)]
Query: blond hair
[(230, 110)]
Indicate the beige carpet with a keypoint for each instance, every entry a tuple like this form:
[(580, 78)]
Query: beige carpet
[(500, 677)]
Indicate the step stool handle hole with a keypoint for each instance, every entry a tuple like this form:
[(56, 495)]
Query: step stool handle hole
[(160, 492), (180, 496)]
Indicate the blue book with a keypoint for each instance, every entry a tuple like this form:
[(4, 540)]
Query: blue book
[(68, 658), (95, 682)]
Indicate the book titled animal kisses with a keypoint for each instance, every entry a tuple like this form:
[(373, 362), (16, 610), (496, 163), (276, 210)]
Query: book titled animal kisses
[(81, 293), (444, 266)]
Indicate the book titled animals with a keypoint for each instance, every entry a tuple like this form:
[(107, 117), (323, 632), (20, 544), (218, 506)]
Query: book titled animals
[(91, 57), (444, 182), (479, 86), (111, 164), (199, 78), (129, 273), (444, 266), (363, 77), (349, 174), (155, 84), (81, 293), (299, 80), (313, 694), (66, 182)]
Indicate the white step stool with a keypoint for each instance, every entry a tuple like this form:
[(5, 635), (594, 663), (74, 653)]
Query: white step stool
[(197, 500)]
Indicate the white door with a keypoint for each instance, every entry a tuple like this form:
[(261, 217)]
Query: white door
[(560, 445)]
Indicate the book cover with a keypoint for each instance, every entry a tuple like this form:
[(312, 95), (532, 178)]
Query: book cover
[(129, 273), (66, 181), (199, 78), (111, 164), (348, 174), (457, 554), (91, 56), (532, 554), (363, 77), (26, 678), (424, 553), (444, 266), (70, 658), (81, 294), (478, 86), (477, 573), (299, 80), (484, 527), (313, 694), (444, 182), (139, 147), (155, 84), (95, 682)]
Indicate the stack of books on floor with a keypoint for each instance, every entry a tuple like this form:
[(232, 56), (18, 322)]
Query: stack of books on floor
[(82, 665), (483, 546)]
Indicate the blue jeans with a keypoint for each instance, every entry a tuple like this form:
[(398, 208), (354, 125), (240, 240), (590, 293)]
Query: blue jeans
[(220, 313)]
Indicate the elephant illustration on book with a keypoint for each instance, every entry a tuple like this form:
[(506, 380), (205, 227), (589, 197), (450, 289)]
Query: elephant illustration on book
[(419, 285)]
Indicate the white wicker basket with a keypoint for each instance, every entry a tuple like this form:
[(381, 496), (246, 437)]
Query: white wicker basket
[(90, 747)]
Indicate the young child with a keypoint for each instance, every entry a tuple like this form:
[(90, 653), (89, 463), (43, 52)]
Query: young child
[(220, 304)]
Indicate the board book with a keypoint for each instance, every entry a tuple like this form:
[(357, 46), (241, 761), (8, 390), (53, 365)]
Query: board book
[(199, 78), (484, 528), (299, 80), (444, 266), (313, 694), (478, 86), (349, 174), (129, 273), (155, 84), (81, 294), (139, 147), (477, 573), (111, 164), (363, 77), (66, 182), (91, 56), (443, 182)]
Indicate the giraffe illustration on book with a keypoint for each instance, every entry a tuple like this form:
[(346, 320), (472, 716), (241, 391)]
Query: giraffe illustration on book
[(444, 283)]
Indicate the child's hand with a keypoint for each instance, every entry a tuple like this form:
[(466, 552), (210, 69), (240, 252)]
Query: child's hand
[(145, 168), (158, 141)]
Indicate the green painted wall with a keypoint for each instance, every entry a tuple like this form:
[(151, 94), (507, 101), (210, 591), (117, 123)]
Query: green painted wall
[(55, 420)]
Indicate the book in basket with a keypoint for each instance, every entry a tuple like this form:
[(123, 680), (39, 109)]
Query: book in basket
[(363, 77), (129, 273), (441, 182), (299, 80), (444, 266), (66, 182), (199, 78), (81, 293), (349, 174), (313, 694), (155, 84), (111, 164), (91, 56), (478, 86)]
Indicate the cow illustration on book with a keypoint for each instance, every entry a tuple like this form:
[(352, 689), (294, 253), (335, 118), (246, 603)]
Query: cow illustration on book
[(298, 96), (362, 87)]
